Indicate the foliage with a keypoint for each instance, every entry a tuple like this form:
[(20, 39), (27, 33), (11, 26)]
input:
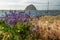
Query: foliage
[(16, 27)]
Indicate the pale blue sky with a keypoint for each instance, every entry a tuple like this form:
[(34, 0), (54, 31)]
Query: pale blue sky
[(22, 4)]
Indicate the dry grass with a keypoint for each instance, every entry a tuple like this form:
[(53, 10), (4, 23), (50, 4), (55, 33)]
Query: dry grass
[(49, 27)]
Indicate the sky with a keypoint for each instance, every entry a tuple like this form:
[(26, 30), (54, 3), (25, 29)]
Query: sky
[(22, 4)]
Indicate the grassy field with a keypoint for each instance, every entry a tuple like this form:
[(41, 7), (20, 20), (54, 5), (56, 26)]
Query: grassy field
[(44, 28), (49, 27)]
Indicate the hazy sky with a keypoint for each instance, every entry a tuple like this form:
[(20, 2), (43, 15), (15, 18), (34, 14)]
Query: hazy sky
[(22, 4)]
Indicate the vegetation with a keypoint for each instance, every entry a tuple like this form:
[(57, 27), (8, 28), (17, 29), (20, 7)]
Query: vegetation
[(24, 27)]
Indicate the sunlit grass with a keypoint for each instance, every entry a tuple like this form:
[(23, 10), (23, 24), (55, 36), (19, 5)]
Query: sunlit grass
[(48, 29)]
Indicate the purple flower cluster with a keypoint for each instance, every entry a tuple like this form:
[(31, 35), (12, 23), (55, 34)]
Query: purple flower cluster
[(35, 28), (11, 18)]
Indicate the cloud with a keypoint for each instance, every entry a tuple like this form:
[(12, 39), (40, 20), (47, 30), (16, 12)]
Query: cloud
[(54, 2), (22, 4), (37, 2)]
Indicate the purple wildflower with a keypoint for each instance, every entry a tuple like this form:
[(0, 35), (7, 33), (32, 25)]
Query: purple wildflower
[(11, 21), (35, 28), (24, 19), (11, 18), (28, 16)]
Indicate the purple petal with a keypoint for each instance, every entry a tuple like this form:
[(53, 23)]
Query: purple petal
[(37, 27)]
